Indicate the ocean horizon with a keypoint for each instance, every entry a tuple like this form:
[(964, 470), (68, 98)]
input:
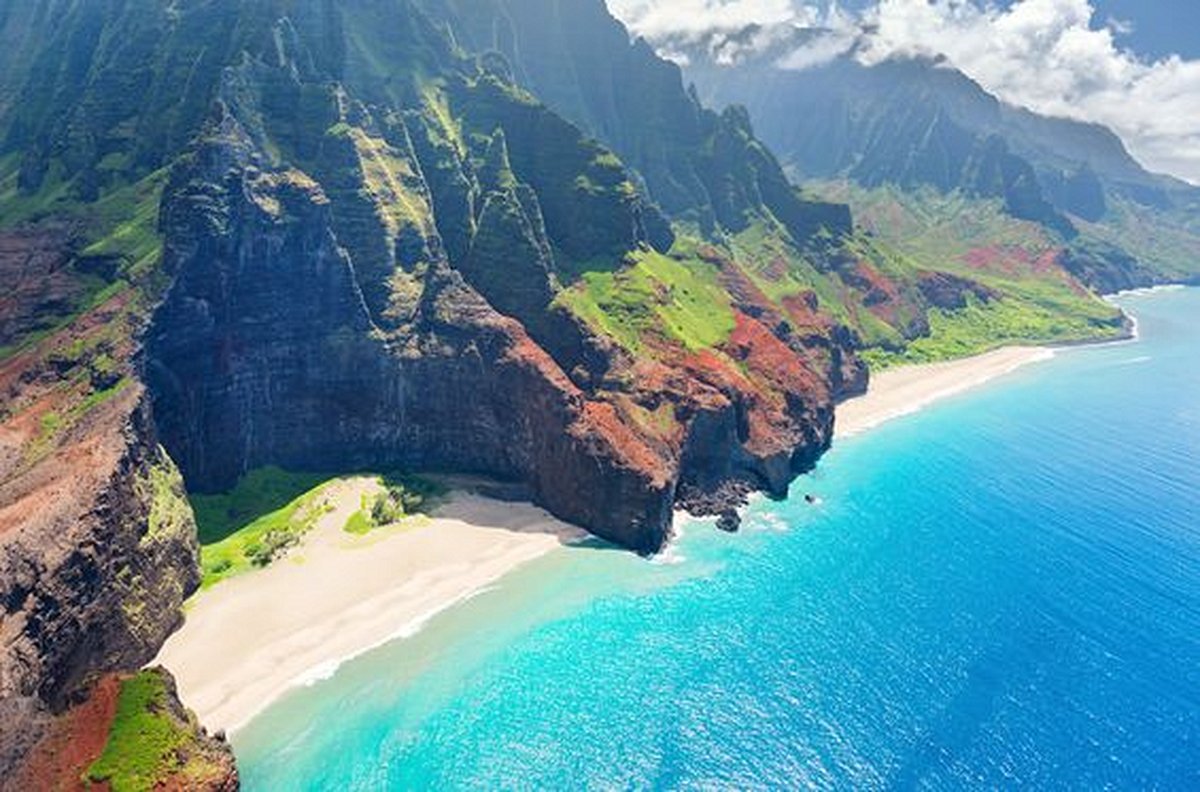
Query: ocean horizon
[(1000, 590)]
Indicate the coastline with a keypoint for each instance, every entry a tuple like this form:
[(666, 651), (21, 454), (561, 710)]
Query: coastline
[(903, 391), (909, 389), (251, 639)]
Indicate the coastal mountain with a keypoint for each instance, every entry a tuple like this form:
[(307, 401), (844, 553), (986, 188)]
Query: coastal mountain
[(919, 127), (496, 238), (325, 236)]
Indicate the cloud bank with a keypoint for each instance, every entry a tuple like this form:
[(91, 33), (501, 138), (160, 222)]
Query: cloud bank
[(1056, 57)]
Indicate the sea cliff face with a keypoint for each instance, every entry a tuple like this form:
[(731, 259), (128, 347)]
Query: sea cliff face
[(97, 553), (310, 324)]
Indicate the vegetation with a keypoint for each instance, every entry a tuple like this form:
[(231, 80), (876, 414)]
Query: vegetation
[(170, 513), (123, 246), (400, 497), (265, 514), (146, 742), (55, 423), (656, 296), (974, 239), (360, 523), (981, 327)]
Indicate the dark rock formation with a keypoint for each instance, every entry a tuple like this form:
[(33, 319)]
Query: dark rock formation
[(97, 553), (951, 292), (1106, 267), (41, 288)]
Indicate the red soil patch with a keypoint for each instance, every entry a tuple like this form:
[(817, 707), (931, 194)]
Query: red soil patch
[(74, 741), (602, 418), (1012, 260), (717, 370), (770, 359), (803, 311), (779, 373)]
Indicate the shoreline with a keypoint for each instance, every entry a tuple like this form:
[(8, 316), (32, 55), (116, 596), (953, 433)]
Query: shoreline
[(906, 390), (251, 639)]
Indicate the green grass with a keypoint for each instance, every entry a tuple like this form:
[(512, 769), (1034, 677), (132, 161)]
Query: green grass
[(126, 226), (983, 327), (267, 512), (144, 740), (761, 247), (401, 497), (360, 523), (122, 225), (655, 296)]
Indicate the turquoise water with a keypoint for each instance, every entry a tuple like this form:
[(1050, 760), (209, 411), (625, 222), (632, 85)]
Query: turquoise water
[(1002, 591)]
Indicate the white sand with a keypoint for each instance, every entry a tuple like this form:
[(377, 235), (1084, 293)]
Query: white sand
[(907, 389), (248, 640)]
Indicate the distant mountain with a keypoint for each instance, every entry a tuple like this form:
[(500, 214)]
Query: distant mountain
[(920, 123), (700, 166)]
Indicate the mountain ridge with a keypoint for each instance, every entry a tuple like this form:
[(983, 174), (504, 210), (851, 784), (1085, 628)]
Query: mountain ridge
[(1075, 178)]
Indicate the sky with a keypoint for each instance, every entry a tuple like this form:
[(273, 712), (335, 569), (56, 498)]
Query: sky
[(1132, 65)]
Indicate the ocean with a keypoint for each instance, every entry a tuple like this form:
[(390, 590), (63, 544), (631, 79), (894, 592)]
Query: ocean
[(1001, 591)]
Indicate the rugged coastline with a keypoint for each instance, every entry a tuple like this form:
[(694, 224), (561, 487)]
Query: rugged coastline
[(342, 597), (327, 236)]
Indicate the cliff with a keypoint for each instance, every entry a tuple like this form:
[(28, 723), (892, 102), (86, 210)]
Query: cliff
[(97, 542)]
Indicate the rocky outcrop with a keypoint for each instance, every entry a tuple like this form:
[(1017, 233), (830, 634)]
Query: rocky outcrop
[(75, 750), (41, 288), (951, 292), (97, 553), (1106, 268)]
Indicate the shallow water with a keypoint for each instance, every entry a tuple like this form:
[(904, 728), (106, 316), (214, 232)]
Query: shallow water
[(1001, 591)]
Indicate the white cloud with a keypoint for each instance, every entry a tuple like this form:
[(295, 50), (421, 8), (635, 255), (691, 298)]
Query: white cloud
[(1054, 56), (657, 18)]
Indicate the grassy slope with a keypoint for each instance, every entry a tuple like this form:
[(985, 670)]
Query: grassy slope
[(983, 327), (121, 227), (267, 506), (146, 742), (673, 297), (1169, 244), (677, 299), (976, 240)]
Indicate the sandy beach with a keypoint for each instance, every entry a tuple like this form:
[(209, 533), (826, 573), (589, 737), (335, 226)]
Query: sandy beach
[(248, 640), (905, 390)]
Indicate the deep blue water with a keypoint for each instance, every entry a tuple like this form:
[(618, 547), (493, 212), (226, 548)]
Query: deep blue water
[(1000, 592)]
